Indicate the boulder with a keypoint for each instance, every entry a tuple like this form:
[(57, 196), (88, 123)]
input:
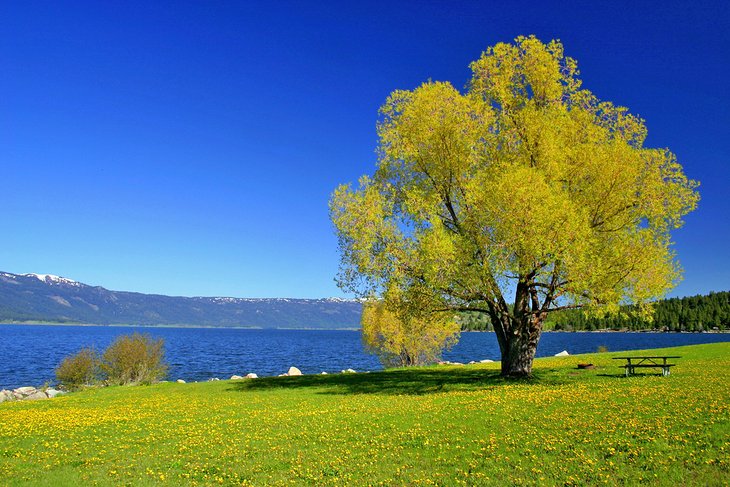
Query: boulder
[(38, 394), (213, 379), (29, 394), (294, 371), (486, 361), (564, 353), (252, 376), (180, 381), (323, 373), (236, 377)]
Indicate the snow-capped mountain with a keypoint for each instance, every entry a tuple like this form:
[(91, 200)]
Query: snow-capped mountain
[(55, 299), (51, 279)]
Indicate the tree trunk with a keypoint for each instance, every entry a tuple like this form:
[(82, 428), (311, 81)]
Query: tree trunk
[(519, 353), (518, 343)]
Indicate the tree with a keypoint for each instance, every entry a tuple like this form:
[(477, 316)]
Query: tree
[(524, 195), (402, 335)]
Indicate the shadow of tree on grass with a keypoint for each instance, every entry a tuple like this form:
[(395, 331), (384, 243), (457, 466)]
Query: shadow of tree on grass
[(408, 381)]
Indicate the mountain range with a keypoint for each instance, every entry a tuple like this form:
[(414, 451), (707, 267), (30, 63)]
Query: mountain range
[(45, 298)]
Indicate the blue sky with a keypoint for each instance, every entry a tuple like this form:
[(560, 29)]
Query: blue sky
[(190, 148)]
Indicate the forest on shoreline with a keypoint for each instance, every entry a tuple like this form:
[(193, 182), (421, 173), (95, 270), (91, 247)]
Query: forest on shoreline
[(692, 313)]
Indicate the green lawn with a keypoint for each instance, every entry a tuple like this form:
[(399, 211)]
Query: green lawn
[(432, 426)]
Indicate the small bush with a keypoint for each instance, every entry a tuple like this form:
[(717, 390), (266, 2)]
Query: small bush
[(77, 371), (134, 359), (602, 349)]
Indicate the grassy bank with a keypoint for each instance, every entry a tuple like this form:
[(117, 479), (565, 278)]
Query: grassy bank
[(431, 426)]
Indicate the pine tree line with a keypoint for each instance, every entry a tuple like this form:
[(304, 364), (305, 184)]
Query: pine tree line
[(692, 313)]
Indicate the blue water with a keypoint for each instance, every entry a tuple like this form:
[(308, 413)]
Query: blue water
[(30, 353)]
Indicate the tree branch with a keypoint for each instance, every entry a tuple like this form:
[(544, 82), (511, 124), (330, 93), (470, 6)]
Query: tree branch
[(558, 308), (461, 308)]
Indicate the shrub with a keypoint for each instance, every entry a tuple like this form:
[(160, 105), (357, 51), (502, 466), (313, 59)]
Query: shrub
[(400, 339), (134, 359), (77, 371)]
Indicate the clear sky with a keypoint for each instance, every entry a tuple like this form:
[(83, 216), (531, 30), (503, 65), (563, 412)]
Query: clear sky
[(190, 148)]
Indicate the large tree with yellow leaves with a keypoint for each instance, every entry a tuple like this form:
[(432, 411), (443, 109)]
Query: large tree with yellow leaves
[(522, 196)]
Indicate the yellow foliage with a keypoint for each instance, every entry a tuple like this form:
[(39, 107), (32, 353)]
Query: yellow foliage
[(525, 169), (402, 337)]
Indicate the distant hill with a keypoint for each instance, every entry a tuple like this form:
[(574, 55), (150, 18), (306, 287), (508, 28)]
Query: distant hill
[(52, 299)]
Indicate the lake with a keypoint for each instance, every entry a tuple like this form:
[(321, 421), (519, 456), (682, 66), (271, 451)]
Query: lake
[(30, 353)]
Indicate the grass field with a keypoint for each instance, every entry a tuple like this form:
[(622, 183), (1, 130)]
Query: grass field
[(428, 426)]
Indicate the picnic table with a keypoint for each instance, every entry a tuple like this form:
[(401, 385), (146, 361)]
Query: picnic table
[(635, 361)]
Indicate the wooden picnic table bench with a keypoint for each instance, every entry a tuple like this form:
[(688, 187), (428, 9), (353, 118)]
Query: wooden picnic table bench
[(635, 361)]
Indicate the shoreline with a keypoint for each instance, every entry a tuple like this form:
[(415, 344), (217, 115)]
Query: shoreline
[(201, 327), (607, 330), (312, 328)]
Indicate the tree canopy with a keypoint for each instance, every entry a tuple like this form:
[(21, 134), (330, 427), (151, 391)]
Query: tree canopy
[(524, 195)]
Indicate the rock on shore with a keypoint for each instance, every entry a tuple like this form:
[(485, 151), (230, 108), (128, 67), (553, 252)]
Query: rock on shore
[(292, 371), (28, 393)]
